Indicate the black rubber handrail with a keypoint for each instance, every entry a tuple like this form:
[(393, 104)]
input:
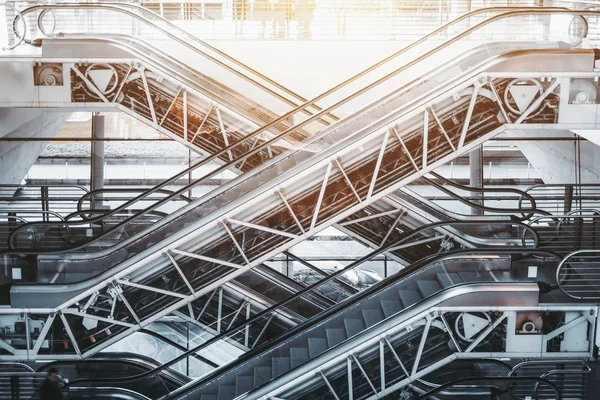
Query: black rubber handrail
[(527, 212), (446, 385), (560, 185), (127, 190)]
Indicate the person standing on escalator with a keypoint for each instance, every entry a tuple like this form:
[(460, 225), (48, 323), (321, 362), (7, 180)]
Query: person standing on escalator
[(50, 389)]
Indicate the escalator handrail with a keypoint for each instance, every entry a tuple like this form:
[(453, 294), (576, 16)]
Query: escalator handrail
[(124, 190), (30, 211), (16, 364), (20, 40), (527, 212), (121, 8), (110, 391), (319, 271), (562, 217), (29, 185), (283, 134), (337, 307), (559, 185), (130, 359), (454, 382)]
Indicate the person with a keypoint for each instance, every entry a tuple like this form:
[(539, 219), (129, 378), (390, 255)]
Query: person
[(305, 10), (240, 14), (50, 389)]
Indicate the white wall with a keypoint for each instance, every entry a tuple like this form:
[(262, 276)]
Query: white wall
[(16, 157)]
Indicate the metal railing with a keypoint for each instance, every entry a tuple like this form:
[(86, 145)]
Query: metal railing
[(60, 199), (26, 385), (577, 230), (563, 198), (304, 19), (489, 382), (578, 275), (568, 376)]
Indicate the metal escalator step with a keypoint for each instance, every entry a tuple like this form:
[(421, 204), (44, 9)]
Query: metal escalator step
[(243, 384), (209, 397), (469, 276), (448, 279), (428, 287), (280, 365), (408, 297), (354, 326), (316, 346), (335, 336), (226, 392), (371, 317), (298, 355), (390, 307), (262, 375)]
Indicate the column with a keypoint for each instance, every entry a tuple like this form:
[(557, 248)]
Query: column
[(476, 176), (97, 168)]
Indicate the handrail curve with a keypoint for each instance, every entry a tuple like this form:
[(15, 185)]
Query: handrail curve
[(561, 282)]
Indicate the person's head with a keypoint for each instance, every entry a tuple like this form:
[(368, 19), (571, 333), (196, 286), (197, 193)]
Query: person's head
[(52, 374)]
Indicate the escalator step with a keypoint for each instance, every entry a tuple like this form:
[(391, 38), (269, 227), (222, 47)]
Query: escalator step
[(390, 307), (427, 287), (226, 392), (243, 384), (208, 397), (316, 346), (262, 375), (354, 326), (335, 336), (298, 355), (469, 276), (448, 279), (408, 297), (281, 365), (372, 317)]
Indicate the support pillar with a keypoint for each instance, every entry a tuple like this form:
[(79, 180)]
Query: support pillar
[(476, 176), (97, 168)]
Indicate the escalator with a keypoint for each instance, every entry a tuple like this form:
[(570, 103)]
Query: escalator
[(360, 364), (320, 336)]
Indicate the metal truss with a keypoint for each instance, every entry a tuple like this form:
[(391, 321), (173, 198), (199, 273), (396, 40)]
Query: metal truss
[(193, 110), (270, 216), (411, 347)]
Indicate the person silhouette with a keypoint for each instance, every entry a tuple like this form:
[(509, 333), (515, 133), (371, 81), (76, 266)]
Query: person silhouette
[(50, 389)]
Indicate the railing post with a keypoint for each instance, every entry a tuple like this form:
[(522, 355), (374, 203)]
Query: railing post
[(476, 176), (97, 162), (14, 388), (568, 204)]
